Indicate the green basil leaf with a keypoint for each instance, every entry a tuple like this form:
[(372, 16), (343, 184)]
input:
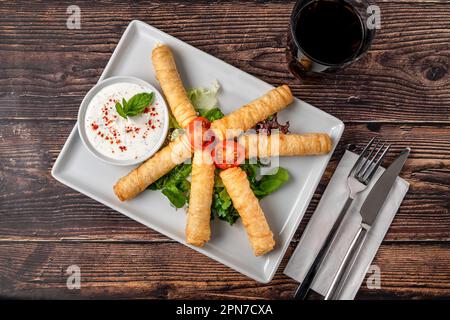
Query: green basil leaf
[(125, 105), (139, 102), (132, 113), (120, 110)]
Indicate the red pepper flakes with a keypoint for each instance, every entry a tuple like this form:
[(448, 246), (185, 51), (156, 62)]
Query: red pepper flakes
[(123, 148), (94, 126)]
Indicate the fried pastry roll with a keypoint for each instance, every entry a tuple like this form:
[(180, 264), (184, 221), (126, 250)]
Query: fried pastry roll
[(249, 115), (154, 168), (260, 145), (170, 81), (255, 223), (198, 229)]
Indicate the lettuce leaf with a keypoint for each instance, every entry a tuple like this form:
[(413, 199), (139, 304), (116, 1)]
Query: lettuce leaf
[(175, 196), (212, 114), (266, 184), (270, 183), (203, 98), (175, 185), (222, 207)]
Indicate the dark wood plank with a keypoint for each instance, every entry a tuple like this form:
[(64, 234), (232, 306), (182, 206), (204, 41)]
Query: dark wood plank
[(35, 206), (170, 270), (403, 78)]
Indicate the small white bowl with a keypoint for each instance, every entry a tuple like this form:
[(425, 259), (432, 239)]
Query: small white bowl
[(82, 114)]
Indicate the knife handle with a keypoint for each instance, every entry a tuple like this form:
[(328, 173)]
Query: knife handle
[(347, 264), (303, 289)]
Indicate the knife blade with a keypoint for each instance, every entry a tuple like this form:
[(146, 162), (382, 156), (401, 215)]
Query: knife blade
[(381, 189)]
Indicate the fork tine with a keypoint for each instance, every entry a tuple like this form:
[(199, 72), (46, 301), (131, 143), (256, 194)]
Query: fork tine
[(363, 166), (377, 164), (361, 156), (361, 175)]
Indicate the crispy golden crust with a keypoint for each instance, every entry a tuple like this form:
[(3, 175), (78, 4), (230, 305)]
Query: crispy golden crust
[(170, 81), (249, 115), (245, 202), (198, 230), (154, 168), (259, 145)]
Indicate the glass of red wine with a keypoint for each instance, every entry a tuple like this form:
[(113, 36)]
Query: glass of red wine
[(326, 35)]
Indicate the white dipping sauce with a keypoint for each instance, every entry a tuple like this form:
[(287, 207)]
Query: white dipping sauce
[(119, 138)]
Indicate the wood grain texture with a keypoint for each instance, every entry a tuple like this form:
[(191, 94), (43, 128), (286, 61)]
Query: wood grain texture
[(399, 90), (404, 77), (147, 270)]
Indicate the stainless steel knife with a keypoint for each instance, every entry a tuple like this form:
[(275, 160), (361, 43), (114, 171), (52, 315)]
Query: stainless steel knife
[(369, 212)]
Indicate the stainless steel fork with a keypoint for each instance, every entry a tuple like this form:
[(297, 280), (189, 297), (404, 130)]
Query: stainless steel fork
[(357, 180)]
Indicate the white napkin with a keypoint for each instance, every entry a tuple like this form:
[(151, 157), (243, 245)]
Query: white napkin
[(322, 221)]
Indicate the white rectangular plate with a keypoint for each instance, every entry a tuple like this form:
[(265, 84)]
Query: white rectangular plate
[(284, 209)]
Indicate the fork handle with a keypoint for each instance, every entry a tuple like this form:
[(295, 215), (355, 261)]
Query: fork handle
[(305, 286), (347, 264)]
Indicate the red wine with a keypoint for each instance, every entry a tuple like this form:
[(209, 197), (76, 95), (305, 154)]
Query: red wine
[(329, 31)]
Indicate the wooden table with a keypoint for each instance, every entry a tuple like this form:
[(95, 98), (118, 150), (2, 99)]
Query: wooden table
[(399, 90)]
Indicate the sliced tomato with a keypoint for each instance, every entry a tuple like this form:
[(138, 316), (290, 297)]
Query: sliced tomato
[(208, 139), (198, 133), (227, 154)]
